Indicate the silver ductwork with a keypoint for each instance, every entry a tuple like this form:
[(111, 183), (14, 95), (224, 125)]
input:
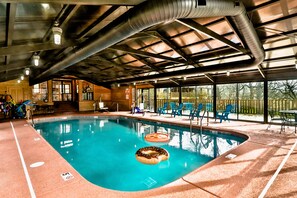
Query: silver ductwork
[(153, 12)]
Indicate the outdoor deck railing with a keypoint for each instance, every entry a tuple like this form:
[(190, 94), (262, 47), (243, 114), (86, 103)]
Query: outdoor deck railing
[(242, 107)]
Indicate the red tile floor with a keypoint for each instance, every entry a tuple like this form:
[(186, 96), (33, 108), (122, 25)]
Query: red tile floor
[(265, 166)]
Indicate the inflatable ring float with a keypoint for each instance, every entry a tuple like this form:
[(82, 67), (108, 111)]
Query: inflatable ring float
[(151, 155), (157, 137)]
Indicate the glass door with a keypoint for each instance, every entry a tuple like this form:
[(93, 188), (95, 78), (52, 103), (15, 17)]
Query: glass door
[(62, 90), (146, 96), (57, 90), (66, 91)]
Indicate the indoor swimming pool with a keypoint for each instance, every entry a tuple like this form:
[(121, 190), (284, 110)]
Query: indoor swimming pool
[(102, 149)]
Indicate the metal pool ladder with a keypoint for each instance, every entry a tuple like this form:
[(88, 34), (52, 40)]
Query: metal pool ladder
[(201, 119)]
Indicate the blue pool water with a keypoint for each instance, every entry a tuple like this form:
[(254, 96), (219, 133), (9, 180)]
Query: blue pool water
[(103, 150)]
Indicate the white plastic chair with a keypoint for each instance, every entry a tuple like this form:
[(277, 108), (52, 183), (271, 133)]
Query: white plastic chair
[(102, 107), (141, 106)]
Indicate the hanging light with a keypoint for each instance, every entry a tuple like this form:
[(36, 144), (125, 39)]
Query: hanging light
[(22, 77), (27, 71), (36, 60), (134, 83), (19, 81), (119, 85), (185, 77), (57, 31), (228, 73), (156, 81)]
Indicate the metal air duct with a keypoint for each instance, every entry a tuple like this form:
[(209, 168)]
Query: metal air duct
[(153, 12)]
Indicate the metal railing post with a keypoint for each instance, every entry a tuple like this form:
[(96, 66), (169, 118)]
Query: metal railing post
[(207, 114)]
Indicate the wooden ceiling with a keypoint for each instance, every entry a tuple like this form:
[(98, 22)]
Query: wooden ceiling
[(161, 54)]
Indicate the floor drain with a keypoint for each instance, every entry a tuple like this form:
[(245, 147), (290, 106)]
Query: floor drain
[(67, 176), (231, 156), (149, 182), (36, 164)]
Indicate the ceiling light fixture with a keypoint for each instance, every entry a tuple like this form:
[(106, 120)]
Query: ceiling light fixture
[(134, 83), (185, 77), (57, 31), (119, 85), (228, 73), (27, 71), (22, 77), (36, 60)]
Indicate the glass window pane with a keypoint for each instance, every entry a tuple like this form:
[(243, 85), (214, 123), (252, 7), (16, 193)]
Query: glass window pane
[(162, 96), (226, 94), (282, 95), (251, 101), (205, 96), (188, 99), (40, 92)]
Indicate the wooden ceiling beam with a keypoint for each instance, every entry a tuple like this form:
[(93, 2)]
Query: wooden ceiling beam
[(30, 48), (10, 75), (200, 28), (13, 66), (96, 22), (143, 53), (10, 20)]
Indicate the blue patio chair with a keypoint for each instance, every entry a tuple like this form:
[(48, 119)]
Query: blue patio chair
[(208, 107), (173, 107), (162, 110), (223, 115), (189, 107), (178, 110), (197, 111)]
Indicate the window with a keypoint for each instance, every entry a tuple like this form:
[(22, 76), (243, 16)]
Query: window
[(87, 91), (146, 96), (40, 92), (250, 101), (282, 95), (205, 96), (162, 96), (246, 98), (62, 90)]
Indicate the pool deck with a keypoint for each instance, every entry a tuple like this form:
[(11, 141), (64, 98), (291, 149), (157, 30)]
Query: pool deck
[(258, 161)]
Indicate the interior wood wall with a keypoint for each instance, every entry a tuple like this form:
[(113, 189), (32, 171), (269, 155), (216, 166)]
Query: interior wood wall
[(19, 91)]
